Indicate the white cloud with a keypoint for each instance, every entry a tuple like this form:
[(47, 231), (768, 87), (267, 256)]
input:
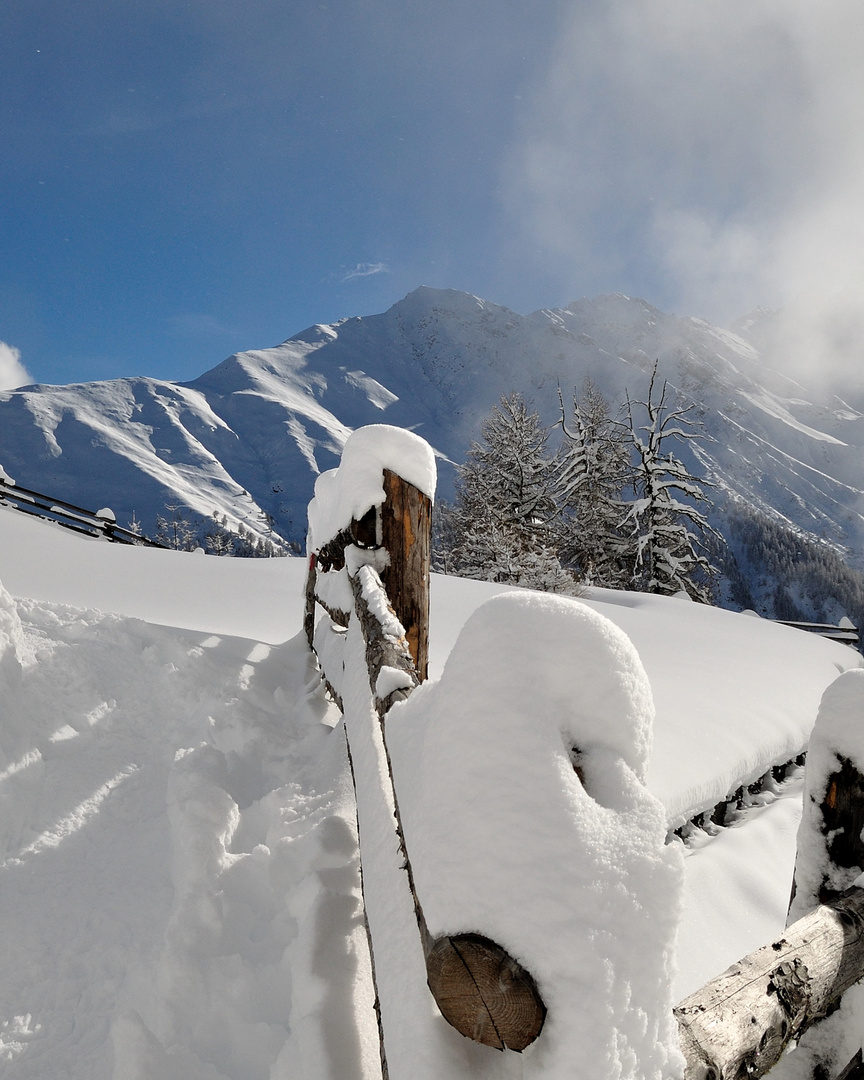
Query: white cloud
[(713, 151), (12, 371), (367, 270)]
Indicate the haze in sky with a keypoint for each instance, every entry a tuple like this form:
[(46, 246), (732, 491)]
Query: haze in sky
[(185, 178)]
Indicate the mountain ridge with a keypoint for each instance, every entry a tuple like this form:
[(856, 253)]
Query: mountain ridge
[(247, 437)]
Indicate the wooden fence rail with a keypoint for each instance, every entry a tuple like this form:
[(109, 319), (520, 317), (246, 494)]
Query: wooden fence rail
[(738, 1025), (844, 631)]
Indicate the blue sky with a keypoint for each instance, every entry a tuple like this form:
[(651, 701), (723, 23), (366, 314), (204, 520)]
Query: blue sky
[(181, 180)]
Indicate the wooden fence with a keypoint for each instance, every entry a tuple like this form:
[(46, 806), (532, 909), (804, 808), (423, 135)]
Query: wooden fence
[(481, 990), (844, 631), (736, 1026), (99, 523)]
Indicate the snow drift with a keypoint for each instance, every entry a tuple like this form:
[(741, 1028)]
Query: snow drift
[(566, 868)]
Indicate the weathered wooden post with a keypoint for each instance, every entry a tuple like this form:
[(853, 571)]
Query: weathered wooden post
[(831, 856), (739, 1024), (371, 575), (406, 535), (402, 527)]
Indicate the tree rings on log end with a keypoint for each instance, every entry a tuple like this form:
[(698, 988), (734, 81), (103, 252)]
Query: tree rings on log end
[(484, 993)]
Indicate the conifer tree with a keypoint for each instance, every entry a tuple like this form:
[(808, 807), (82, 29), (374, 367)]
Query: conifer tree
[(594, 468), (668, 532), (502, 521), (176, 531)]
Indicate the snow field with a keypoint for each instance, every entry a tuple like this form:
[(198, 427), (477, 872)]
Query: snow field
[(172, 906), (179, 881), (252, 598)]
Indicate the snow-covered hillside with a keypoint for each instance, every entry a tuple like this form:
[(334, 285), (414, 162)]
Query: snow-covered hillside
[(247, 438), (180, 882)]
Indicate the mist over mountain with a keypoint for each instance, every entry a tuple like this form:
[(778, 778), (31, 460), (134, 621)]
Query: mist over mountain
[(247, 438)]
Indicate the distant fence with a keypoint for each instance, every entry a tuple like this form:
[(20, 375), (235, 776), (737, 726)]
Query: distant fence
[(373, 575), (99, 523), (843, 631)]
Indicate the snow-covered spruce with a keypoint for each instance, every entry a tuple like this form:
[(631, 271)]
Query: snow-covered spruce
[(592, 473), (520, 777), (669, 530), (502, 526)]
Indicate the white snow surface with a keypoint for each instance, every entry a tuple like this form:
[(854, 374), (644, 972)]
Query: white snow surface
[(573, 879), (358, 483), (179, 877)]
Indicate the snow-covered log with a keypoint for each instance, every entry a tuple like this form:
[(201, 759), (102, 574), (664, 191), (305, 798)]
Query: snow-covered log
[(371, 575), (739, 1024), (389, 663)]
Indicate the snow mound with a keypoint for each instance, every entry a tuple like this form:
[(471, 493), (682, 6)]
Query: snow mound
[(519, 776)]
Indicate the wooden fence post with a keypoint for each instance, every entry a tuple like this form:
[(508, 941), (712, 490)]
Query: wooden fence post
[(406, 534), (402, 526), (840, 819), (833, 814)]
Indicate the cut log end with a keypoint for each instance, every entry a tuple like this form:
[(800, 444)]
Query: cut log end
[(484, 993)]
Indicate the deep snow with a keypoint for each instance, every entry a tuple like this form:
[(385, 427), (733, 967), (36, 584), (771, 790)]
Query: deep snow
[(180, 884)]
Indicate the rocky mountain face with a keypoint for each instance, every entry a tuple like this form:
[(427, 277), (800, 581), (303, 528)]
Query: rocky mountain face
[(248, 437)]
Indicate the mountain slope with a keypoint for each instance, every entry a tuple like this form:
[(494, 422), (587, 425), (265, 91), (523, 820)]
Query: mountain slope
[(248, 437)]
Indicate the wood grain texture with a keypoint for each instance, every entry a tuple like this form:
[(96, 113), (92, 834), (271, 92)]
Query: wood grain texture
[(484, 993), (406, 534), (382, 650), (309, 606), (841, 823)]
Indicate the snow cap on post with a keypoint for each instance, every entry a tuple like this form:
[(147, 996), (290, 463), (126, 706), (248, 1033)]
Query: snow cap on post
[(347, 493)]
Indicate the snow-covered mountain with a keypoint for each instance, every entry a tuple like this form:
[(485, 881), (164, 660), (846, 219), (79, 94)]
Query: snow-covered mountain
[(248, 437)]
